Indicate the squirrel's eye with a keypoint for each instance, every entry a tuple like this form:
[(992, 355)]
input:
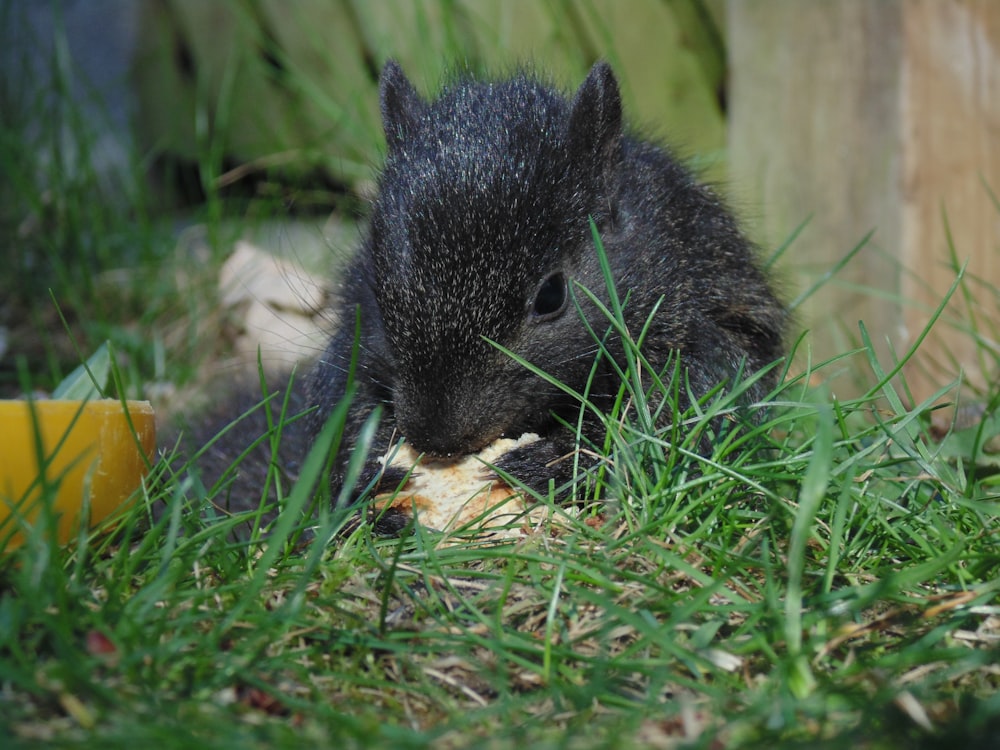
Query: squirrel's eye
[(550, 300)]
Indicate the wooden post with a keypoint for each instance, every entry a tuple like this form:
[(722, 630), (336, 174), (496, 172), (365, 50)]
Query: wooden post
[(860, 116), (951, 115)]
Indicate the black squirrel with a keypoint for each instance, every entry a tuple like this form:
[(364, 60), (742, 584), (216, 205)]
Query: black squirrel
[(480, 229)]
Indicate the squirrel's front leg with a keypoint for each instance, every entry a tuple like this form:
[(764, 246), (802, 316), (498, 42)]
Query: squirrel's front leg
[(374, 473), (546, 463)]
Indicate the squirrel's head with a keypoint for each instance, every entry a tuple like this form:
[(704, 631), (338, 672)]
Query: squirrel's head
[(480, 228)]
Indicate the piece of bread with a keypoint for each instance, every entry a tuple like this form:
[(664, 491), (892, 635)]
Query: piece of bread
[(463, 493)]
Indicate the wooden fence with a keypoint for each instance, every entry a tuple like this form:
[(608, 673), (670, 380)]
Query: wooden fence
[(882, 115)]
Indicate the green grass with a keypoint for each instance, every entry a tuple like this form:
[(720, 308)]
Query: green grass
[(838, 588)]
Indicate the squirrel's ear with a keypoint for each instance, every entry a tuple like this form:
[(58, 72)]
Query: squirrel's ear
[(401, 105), (595, 120)]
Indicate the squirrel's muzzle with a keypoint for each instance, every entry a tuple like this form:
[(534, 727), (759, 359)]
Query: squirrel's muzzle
[(445, 429)]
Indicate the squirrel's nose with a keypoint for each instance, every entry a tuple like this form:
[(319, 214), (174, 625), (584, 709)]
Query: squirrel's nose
[(443, 437), (444, 425), (440, 444)]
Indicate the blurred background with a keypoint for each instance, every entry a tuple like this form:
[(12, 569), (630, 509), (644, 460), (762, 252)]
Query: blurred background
[(157, 154)]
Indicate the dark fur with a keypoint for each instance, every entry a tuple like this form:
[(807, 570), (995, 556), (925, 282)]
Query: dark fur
[(488, 190)]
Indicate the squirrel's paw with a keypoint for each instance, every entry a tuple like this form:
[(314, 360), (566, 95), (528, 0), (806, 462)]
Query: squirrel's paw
[(539, 464), (391, 477), (379, 479)]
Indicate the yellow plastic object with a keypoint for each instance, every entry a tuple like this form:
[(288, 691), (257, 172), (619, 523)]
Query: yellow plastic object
[(87, 447)]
